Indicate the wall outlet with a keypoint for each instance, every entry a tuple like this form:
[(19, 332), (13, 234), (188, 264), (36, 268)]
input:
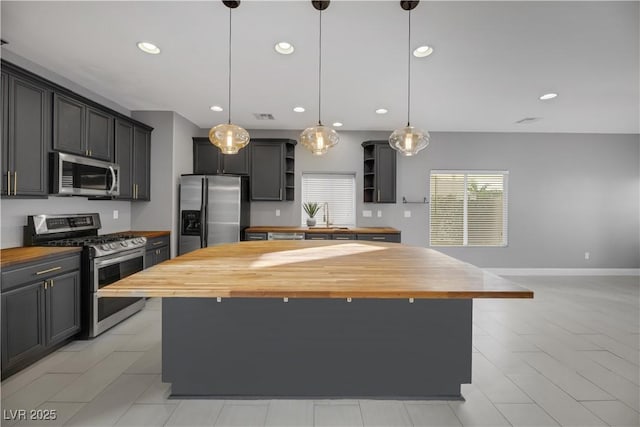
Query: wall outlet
[(587, 255), (115, 214), (277, 212), (407, 214), (379, 213), (366, 214)]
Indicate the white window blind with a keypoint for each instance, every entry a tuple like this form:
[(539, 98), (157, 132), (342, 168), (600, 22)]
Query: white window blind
[(338, 190), (468, 208)]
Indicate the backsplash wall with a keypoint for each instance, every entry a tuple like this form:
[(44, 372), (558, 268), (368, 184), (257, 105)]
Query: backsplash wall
[(14, 214)]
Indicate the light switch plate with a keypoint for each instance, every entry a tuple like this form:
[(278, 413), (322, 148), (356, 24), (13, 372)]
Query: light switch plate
[(115, 214), (277, 212), (379, 213), (366, 214), (407, 214)]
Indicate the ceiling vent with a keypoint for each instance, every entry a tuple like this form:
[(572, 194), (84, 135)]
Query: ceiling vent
[(528, 120), (263, 116)]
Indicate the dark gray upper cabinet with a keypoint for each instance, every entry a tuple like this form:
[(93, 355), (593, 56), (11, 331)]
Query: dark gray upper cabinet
[(63, 307), (81, 129), (69, 125), (141, 164), (25, 132), (4, 87), (272, 169), (124, 157), (99, 134), (379, 172), (132, 154), (208, 159)]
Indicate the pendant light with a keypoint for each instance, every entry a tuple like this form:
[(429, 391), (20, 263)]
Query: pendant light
[(318, 139), (228, 137), (409, 140)]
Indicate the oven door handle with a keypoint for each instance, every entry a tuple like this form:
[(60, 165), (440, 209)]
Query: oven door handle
[(113, 180), (132, 255)]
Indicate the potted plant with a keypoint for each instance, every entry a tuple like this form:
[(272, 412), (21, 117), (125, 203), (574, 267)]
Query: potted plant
[(311, 208)]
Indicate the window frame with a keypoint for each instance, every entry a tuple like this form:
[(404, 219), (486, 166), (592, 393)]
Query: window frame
[(505, 208), (319, 221)]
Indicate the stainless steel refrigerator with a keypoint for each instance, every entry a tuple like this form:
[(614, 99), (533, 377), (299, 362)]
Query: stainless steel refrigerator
[(214, 209)]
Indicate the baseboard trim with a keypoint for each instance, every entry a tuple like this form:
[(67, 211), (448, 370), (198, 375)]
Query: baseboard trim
[(565, 271)]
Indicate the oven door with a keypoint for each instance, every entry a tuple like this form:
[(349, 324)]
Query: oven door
[(108, 311)]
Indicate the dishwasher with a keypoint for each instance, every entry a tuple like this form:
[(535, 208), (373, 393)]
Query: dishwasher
[(285, 236)]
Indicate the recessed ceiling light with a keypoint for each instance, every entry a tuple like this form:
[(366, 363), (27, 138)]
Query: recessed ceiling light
[(216, 108), (337, 124), (148, 47), (548, 96), (423, 51), (382, 111), (298, 109), (284, 48)]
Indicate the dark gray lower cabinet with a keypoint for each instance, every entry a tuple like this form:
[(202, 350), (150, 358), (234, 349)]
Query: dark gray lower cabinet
[(40, 309), (386, 237), (317, 236), (157, 250), (63, 306), (23, 335), (255, 236)]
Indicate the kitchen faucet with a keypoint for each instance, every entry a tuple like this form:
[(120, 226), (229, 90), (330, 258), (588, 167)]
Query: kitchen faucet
[(326, 214)]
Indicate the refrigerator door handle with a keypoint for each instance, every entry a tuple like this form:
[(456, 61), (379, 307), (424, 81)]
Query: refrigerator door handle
[(203, 214)]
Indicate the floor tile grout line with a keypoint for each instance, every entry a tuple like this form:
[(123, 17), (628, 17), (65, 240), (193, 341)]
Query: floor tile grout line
[(558, 385)]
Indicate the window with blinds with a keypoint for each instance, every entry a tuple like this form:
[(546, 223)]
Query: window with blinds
[(468, 208), (338, 190)]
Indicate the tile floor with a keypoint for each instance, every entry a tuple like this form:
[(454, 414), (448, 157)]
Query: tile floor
[(569, 357)]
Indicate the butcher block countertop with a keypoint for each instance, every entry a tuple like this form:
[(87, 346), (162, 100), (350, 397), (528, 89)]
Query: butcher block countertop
[(13, 256), (322, 230), (315, 269), (149, 234)]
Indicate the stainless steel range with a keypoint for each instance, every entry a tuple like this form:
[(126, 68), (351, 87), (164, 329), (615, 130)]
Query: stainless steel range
[(105, 260)]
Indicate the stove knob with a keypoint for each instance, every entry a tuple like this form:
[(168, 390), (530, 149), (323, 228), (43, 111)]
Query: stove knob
[(124, 244), (104, 247), (140, 240), (113, 245)]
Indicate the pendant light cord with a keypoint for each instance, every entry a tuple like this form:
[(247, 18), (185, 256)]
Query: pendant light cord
[(409, 73), (320, 70), (229, 115)]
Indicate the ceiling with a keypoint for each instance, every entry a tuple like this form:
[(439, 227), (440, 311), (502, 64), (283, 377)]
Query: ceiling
[(492, 61)]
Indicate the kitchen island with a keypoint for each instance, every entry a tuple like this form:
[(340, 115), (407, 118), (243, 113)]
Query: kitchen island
[(316, 319)]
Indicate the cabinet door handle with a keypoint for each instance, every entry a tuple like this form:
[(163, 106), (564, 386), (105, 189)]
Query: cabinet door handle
[(379, 238), (45, 284), (378, 195), (280, 193), (49, 270), (51, 283), (15, 183), (157, 243), (90, 153), (8, 183)]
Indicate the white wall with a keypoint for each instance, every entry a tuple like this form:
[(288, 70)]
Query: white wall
[(14, 214), (183, 132), (156, 214), (568, 193)]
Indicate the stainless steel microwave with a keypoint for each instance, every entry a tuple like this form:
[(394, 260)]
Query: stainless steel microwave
[(80, 176)]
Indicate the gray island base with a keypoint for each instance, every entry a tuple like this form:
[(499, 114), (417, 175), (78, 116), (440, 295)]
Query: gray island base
[(316, 348)]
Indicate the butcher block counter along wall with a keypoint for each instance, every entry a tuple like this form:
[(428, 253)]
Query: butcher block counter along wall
[(316, 319)]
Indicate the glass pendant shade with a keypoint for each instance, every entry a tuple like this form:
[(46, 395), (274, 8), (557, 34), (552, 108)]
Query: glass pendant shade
[(229, 138), (409, 140), (319, 139)]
